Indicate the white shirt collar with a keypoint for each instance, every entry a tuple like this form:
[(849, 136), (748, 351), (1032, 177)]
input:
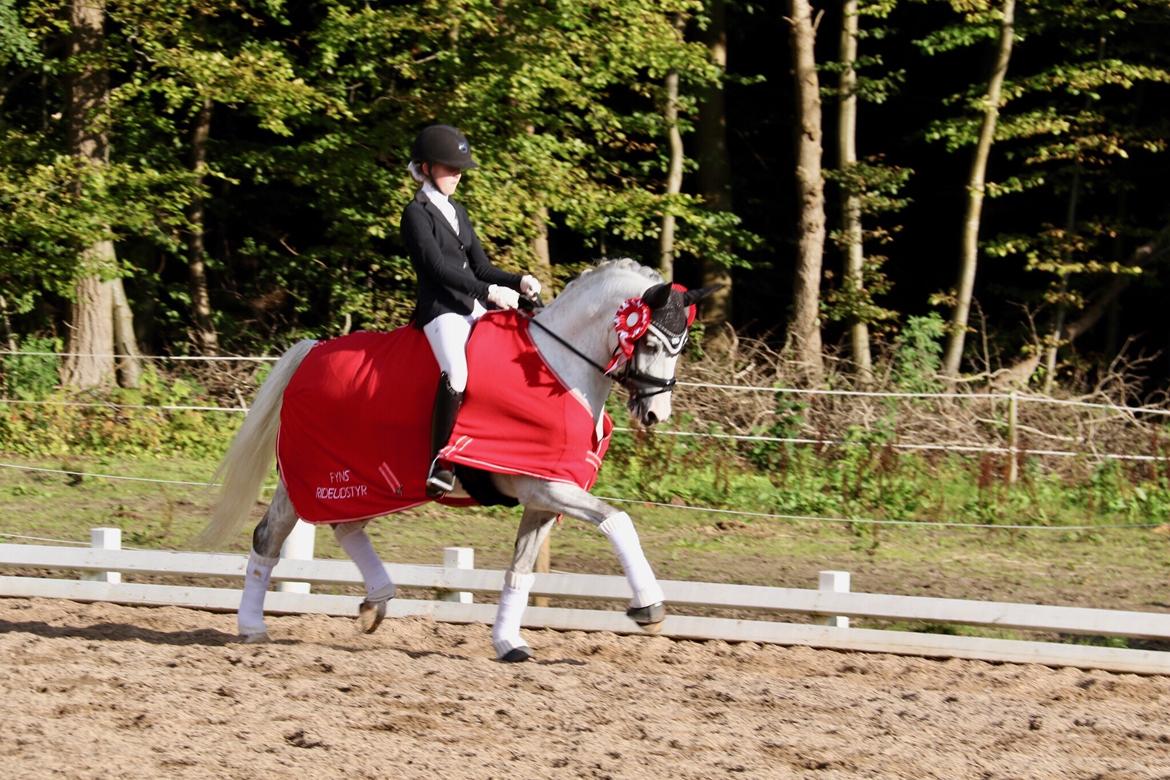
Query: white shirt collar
[(442, 203)]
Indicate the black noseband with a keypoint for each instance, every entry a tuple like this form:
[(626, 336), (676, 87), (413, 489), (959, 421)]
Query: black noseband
[(639, 384), (636, 383)]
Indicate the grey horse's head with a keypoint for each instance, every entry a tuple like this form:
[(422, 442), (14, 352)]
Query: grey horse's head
[(657, 341)]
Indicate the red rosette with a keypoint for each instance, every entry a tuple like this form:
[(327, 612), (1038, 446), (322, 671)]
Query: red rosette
[(630, 323)]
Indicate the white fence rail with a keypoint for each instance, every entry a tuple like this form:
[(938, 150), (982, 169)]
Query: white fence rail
[(454, 603)]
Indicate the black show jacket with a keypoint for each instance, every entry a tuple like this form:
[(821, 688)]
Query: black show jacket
[(453, 271)]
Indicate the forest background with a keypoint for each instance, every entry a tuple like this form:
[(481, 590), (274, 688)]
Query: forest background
[(924, 196), (239, 167)]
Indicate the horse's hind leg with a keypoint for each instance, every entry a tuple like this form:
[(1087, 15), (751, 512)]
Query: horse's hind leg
[(379, 589), (267, 539), (534, 528)]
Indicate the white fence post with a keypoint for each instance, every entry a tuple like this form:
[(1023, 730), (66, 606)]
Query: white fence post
[(104, 539), (458, 558), (834, 582), (298, 546)]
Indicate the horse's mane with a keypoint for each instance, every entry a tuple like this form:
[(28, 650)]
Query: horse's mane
[(605, 270)]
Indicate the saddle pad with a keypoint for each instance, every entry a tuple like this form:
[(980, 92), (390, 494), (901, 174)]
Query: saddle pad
[(354, 438)]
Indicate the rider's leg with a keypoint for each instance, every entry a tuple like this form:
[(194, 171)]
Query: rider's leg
[(558, 497), (534, 528), (267, 539), (447, 334)]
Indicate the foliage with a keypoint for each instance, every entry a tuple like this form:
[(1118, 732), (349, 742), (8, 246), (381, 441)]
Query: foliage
[(123, 422), (31, 377), (864, 477), (313, 106), (1069, 126), (874, 184), (918, 354)]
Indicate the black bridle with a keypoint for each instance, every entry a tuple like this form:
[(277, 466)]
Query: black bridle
[(637, 383)]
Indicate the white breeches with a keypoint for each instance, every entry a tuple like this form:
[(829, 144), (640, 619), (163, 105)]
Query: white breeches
[(447, 334)]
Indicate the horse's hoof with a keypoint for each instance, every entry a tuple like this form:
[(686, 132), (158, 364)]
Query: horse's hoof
[(254, 639), (517, 655), (370, 615), (649, 617)]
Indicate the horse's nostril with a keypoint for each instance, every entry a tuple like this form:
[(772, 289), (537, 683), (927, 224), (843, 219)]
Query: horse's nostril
[(651, 418)]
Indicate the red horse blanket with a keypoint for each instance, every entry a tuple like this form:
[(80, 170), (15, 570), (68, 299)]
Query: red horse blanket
[(354, 438)]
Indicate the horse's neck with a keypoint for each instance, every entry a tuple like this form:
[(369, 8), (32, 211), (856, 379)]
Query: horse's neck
[(586, 336)]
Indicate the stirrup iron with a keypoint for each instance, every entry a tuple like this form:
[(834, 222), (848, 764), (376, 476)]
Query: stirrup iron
[(440, 481)]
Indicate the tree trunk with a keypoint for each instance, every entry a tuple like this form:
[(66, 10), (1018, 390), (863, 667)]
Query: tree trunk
[(540, 250), (91, 335), (6, 324), (90, 362), (804, 332), (203, 326), (850, 198), (125, 342), (1050, 359), (975, 189), (715, 177), (1053, 347), (675, 171)]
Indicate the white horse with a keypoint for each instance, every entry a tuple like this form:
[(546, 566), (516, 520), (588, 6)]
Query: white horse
[(576, 336)]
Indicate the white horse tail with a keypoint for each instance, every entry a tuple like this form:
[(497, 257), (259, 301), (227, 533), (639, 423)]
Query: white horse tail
[(249, 459)]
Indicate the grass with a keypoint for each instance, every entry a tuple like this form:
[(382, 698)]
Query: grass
[(1109, 568)]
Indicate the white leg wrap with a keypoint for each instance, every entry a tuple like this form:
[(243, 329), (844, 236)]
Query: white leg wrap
[(620, 530), (357, 545), (513, 600), (250, 618)]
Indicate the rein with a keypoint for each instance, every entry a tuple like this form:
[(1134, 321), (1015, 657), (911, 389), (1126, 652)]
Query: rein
[(630, 378)]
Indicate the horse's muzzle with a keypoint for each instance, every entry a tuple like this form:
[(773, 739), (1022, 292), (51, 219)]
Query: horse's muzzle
[(650, 411)]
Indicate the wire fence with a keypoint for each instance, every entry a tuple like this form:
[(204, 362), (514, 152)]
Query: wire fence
[(899, 421), (1020, 397), (957, 429), (739, 437)]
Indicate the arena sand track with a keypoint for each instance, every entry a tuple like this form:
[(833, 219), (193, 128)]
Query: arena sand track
[(107, 691)]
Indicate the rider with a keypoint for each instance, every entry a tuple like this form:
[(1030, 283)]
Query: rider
[(456, 281)]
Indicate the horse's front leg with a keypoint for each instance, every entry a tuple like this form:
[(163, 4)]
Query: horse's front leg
[(518, 579), (646, 606), (267, 540), (379, 589)]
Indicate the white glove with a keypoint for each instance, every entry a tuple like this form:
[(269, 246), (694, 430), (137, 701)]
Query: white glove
[(529, 286), (504, 297)]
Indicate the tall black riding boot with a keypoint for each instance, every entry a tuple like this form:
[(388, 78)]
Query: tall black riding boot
[(440, 480)]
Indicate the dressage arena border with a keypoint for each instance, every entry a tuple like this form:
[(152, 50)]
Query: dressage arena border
[(103, 564)]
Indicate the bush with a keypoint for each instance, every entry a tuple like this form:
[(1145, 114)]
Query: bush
[(32, 377), (113, 422)]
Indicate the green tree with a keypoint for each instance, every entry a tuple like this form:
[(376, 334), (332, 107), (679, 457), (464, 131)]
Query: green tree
[(980, 20), (1067, 129), (866, 187)]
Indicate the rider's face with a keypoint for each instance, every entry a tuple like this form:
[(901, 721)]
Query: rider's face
[(445, 177)]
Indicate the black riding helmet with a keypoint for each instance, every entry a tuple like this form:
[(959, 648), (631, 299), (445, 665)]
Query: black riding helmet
[(442, 144)]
